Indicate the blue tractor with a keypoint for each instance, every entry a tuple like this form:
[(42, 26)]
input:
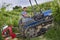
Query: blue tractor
[(34, 25)]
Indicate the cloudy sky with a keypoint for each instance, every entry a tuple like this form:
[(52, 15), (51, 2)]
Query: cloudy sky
[(21, 2)]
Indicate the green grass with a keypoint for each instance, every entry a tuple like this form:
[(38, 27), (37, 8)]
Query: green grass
[(53, 33)]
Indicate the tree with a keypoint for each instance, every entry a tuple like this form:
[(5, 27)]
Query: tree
[(16, 7)]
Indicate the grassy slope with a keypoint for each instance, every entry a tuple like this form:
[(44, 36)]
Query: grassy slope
[(52, 34)]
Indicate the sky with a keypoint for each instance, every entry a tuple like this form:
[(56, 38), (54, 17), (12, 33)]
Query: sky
[(22, 3)]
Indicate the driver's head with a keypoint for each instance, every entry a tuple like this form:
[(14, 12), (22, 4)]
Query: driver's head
[(24, 8)]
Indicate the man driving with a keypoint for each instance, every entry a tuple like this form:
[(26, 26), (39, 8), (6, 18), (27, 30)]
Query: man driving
[(25, 16)]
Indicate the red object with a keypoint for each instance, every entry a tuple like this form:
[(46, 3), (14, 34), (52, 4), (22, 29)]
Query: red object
[(10, 32)]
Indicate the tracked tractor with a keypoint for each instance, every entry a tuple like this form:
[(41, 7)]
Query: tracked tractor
[(35, 24)]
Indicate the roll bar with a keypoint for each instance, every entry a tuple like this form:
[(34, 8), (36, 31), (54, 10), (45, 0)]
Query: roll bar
[(36, 2), (38, 6), (32, 7)]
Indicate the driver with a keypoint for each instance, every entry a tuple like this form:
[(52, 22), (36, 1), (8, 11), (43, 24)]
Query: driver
[(25, 16), (24, 13)]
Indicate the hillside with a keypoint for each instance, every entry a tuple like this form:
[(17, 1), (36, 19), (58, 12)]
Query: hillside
[(12, 18)]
